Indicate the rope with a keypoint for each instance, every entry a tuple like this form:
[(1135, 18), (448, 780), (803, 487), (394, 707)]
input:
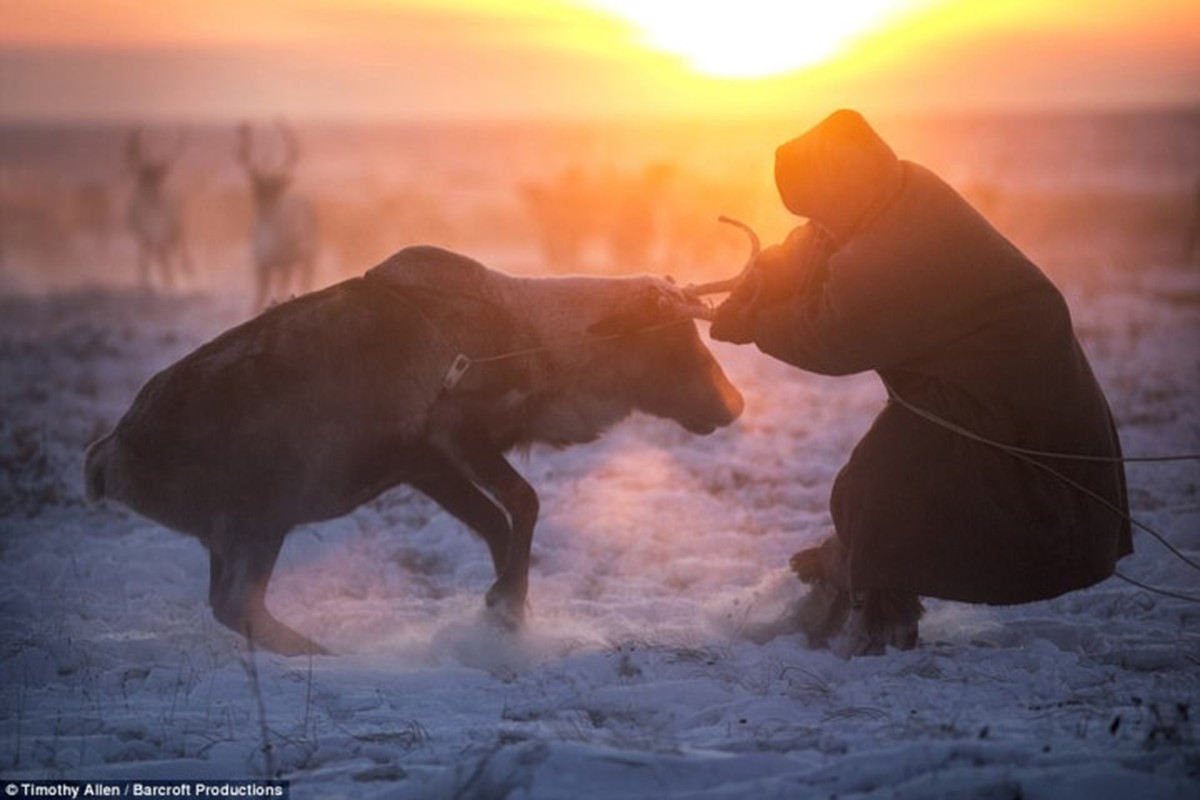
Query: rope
[(1028, 456), (1012, 448), (1154, 589), (463, 362)]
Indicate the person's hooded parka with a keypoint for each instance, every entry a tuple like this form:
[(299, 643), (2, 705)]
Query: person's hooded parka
[(921, 289)]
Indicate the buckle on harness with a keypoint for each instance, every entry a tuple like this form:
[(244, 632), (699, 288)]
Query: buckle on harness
[(458, 368)]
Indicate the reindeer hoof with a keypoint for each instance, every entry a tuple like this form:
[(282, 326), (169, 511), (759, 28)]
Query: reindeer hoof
[(503, 620), (270, 634), (505, 611)]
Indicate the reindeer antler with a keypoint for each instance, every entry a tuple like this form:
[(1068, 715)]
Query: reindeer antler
[(140, 156), (255, 165), (729, 284), (245, 148), (291, 146)]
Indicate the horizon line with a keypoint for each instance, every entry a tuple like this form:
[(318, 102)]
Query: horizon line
[(961, 111)]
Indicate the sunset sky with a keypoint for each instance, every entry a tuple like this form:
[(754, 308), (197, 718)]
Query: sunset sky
[(495, 59)]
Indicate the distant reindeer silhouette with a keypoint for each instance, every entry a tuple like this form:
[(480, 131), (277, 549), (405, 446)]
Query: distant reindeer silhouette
[(564, 216), (92, 213), (154, 217), (633, 227), (284, 236), (1191, 239)]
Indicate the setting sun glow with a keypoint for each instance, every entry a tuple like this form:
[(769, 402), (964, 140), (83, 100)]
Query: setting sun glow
[(587, 59), (755, 38)]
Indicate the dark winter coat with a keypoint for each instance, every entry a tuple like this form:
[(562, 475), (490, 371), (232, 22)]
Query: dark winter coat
[(958, 322)]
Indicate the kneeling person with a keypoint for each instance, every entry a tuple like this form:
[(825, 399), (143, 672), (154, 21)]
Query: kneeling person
[(896, 273)]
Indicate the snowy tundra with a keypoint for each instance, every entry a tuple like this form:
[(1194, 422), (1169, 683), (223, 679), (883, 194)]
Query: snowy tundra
[(656, 551)]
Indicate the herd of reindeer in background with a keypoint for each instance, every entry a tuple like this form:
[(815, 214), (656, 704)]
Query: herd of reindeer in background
[(283, 232), (283, 235), (579, 218), (645, 219)]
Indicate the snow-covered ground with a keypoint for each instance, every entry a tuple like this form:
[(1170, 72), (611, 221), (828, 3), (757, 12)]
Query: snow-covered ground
[(654, 552)]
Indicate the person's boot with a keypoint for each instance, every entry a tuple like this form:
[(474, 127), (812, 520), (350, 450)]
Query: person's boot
[(824, 562), (879, 619), (821, 613)]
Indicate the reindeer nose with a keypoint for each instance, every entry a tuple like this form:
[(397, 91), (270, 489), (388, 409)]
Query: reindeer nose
[(725, 407), (736, 405)]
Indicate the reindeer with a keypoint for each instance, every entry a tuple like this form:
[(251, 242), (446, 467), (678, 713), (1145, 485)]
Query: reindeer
[(284, 236), (633, 224), (1191, 239), (424, 371), (155, 218)]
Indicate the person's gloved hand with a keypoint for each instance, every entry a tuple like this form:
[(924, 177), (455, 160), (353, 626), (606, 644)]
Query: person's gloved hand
[(733, 320), (776, 269), (777, 274)]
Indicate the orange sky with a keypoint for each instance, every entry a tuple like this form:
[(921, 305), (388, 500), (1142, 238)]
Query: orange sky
[(402, 59)]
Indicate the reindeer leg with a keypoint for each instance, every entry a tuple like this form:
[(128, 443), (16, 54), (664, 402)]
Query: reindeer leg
[(260, 295), (305, 274), (240, 567), (487, 469), (185, 260), (143, 269), (452, 490), (168, 274)]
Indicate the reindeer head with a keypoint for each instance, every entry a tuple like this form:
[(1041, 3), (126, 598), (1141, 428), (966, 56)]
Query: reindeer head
[(268, 182), (150, 171)]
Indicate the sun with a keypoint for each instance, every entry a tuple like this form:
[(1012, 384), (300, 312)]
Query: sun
[(753, 38)]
